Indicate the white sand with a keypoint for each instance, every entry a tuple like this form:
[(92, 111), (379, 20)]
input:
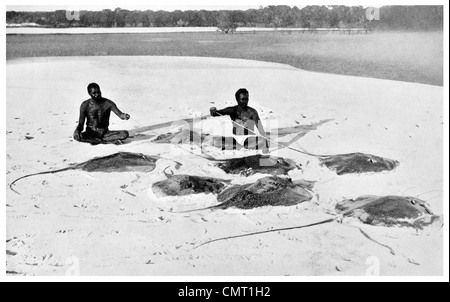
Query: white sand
[(87, 218)]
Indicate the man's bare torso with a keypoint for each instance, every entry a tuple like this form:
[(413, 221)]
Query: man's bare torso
[(245, 117), (97, 114)]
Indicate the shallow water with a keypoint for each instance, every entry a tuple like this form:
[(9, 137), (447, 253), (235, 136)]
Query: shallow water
[(130, 30)]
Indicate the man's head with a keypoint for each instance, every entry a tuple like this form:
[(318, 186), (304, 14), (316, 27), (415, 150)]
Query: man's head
[(242, 97), (94, 91)]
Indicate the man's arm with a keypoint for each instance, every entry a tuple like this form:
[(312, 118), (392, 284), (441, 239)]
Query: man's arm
[(261, 130), (81, 120), (225, 111), (259, 124), (120, 114)]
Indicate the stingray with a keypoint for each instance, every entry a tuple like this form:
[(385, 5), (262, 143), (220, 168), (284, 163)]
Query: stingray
[(264, 164), (267, 191), (358, 163), (117, 162), (375, 210), (193, 137), (388, 210), (182, 136), (182, 184)]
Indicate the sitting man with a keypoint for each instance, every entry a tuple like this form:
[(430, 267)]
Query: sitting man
[(96, 111), (244, 119)]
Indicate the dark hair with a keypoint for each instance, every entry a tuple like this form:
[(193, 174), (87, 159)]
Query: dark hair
[(92, 85), (241, 90)]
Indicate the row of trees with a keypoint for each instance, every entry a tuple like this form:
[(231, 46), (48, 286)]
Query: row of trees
[(390, 17)]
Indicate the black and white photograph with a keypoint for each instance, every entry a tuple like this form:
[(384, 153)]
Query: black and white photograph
[(232, 139)]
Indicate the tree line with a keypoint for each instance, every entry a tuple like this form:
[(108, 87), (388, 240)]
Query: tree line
[(313, 16)]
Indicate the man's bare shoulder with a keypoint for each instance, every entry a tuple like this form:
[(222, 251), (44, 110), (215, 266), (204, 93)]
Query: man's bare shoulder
[(109, 102), (253, 110), (85, 104)]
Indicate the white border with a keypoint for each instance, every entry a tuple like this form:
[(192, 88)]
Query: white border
[(196, 4)]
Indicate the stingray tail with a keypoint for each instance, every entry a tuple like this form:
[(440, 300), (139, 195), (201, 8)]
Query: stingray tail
[(33, 174), (167, 174), (22, 177), (207, 156), (200, 209)]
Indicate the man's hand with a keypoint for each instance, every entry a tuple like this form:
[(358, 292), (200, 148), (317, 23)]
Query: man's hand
[(76, 135), (125, 116), (212, 111)]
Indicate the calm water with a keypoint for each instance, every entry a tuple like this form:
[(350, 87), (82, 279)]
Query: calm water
[(132, 30), (121, 30)]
